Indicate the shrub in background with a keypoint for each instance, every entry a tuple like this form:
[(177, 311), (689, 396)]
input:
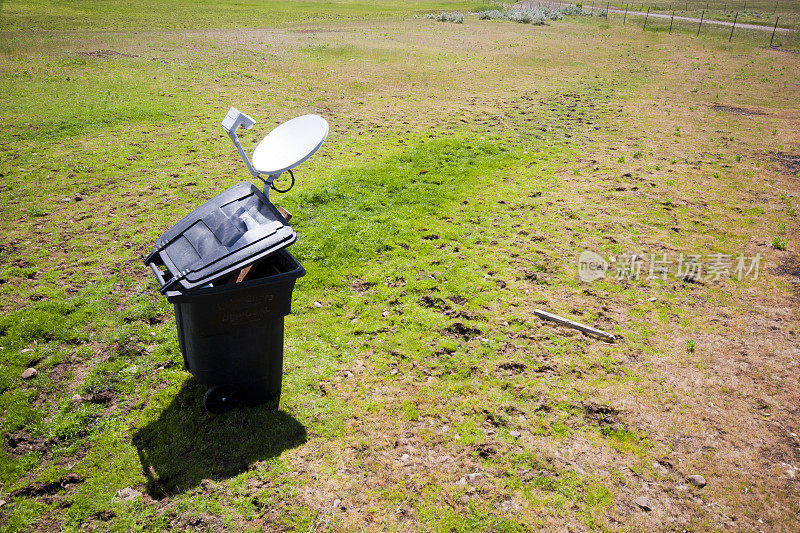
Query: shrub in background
[(536, 15), (448, 16)]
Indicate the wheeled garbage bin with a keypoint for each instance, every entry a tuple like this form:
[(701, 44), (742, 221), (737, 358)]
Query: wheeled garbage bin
[(230, 325)]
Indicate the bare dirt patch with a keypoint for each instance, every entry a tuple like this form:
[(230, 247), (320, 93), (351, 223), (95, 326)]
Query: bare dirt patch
[(104, 53), (790, 162), (322, 30), (790, 268), (47, 491), (22, 442), (513, 367), (737, 110), (459, 329)]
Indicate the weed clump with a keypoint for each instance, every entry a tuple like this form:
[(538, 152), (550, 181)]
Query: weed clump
[(779, 243), (447, 16), (578, 11)]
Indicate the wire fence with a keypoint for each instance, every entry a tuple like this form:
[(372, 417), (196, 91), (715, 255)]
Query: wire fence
[(776, 30), (771, 23)]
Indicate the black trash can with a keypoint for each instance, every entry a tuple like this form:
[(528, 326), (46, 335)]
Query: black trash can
[(231, 336), (230, 333)]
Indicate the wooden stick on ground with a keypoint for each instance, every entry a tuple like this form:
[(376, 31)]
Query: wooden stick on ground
[(575, 325)]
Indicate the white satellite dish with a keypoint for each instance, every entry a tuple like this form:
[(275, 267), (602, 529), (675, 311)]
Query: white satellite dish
[(283, 148), (290, 144)]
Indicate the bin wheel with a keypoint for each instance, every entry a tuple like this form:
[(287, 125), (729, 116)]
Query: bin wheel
[(220, 400)]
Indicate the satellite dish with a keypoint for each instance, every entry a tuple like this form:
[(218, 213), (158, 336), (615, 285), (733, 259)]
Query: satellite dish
[(290, 144), (282, 149)]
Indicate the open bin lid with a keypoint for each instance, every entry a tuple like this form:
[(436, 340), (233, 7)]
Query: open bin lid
[(235, 229)]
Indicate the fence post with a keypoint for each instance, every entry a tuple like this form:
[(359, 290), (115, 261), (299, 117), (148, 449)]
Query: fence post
[(645, 19), (626, 14), (773, 31), (701, 22), (607, 4), (734, 26), (670, 21)]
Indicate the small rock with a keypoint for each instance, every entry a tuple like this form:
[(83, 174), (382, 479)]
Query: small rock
[(2, 503), (127, 494), (661, 469), (78, 197), (405, 458), (76, 398), (474, 478), (652, 299), (26, 350), (514, 433), (317, 304), (29, 373), (697, 480), (644, 503), (337, 502), (393, 371), (348, 374), (385, 314)]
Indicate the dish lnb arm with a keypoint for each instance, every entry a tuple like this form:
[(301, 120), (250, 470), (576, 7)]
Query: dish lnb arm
[(230, 124)]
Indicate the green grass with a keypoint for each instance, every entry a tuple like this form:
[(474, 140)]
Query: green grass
[(363, 212), (779, 243), (63, 15)]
